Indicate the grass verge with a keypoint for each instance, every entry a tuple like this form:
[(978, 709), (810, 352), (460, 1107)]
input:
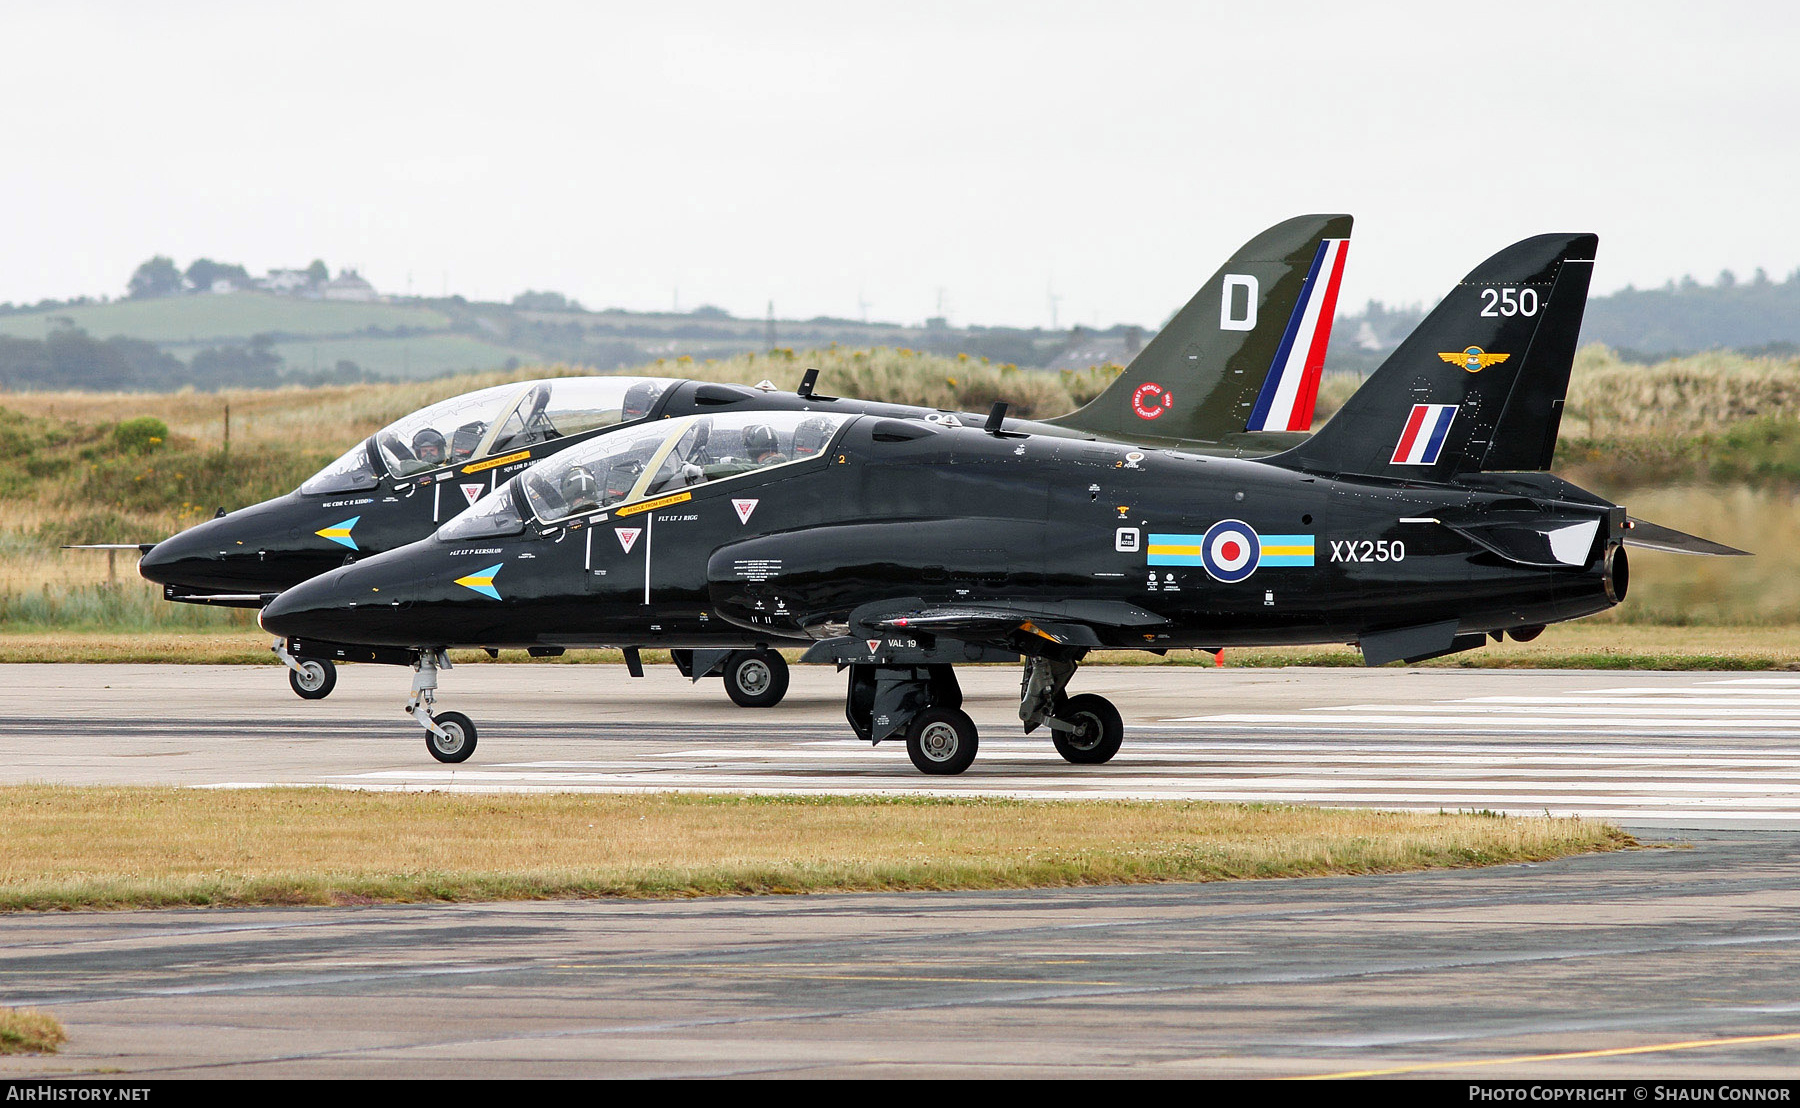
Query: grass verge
[(28, 1031), (69, 847)]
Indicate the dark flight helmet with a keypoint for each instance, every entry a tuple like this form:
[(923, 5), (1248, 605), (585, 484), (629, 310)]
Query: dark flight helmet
[(811, 436), (428, 447), (760, 441), (580, 489), (639, 399), (466, 438)]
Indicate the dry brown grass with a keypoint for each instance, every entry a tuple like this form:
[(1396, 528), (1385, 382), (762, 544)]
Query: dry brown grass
[(331, 418), (1611, 399), (28, 1031), (85, 847)]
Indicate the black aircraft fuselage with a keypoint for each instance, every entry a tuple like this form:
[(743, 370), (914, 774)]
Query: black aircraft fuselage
[(244, 557), (1144, 549)]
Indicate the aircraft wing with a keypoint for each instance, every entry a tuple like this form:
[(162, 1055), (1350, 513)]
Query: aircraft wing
[(889, 629)]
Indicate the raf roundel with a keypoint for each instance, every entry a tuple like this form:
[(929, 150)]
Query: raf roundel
[(1230, 551)]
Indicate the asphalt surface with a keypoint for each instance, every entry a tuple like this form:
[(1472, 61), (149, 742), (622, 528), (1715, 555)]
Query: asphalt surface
[(1670, 962), (1683, 959)]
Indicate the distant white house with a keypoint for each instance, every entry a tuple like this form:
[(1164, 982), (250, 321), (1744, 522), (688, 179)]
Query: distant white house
[(285, 281), (222, 285), (348, 285)]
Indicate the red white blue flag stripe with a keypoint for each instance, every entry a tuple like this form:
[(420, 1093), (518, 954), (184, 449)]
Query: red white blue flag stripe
[(1292, 386), (1423, 438)]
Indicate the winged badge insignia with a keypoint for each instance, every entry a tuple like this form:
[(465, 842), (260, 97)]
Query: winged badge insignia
[(1474, 359)]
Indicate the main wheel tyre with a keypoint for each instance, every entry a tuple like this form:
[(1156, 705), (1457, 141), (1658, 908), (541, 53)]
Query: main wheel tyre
[(314, 680), (941, 741), (460, 743), (1100, 730), (756, 678)]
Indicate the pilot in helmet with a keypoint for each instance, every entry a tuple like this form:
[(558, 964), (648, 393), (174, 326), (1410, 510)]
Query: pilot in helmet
[(762, 445), (811, 436), (428, 447), (580, 489), (639, 399)]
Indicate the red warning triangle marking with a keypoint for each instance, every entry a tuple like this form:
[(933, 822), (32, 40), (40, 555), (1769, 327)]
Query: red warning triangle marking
[(744, 508), (473, 492), (874, 645), (628, 536)]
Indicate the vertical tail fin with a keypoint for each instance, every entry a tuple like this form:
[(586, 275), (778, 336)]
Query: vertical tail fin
[(1479, 384), (1246, 352)]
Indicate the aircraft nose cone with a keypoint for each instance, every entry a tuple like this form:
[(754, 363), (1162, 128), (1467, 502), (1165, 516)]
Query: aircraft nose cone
[(177, 557), (309, 607)]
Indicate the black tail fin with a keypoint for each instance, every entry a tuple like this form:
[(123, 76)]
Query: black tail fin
[(1246, 352), (1479, 384)]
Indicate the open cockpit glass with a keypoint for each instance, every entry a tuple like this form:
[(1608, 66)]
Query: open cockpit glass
[(573, 405), (594, 475), (351, 472), (508, 418), (671, 455), (492, 517), (717, 447)]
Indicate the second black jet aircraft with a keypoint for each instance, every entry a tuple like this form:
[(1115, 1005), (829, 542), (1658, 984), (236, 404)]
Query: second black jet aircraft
[(1235, 371), (1413, 524)]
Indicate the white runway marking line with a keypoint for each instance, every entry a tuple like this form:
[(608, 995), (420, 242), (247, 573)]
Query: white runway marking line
[(1733, 704)]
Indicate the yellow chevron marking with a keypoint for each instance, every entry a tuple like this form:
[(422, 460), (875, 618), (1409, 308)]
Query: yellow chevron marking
[(492, 463), (652, 505)]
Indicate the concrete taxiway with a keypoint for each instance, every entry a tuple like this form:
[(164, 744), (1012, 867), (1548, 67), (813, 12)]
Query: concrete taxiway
[(1673, 962), (1713, 750), (1670, 962)]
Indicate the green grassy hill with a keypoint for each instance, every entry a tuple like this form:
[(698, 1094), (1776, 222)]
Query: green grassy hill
[(227, 318)]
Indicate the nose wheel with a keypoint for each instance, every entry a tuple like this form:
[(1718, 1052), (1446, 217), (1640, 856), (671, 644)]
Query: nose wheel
[(454, 738), (756, 678), (313, 679)]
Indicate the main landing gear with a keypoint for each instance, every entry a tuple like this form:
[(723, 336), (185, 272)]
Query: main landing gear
[(923, 703), (450, 736), (312, 678), (753, 678)]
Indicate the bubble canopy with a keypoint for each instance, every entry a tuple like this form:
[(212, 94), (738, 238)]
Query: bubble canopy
[(654, 460), (491, 421)]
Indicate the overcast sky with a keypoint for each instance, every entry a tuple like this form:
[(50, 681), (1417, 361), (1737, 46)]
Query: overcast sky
[(828, 155)]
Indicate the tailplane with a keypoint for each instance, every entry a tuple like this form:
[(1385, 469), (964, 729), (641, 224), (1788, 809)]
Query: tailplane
[(1243, 357), (1479, 385)]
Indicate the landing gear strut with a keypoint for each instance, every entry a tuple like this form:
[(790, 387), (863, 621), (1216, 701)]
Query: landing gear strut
[(449, 737), (312, 679)]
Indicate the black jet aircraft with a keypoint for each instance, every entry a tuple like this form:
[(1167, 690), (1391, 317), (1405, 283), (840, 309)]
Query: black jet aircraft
[(1236, 370), (1414, 524)]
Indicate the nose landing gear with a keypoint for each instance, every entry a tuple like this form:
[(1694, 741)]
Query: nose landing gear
[(449, 737), (312, 679)]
